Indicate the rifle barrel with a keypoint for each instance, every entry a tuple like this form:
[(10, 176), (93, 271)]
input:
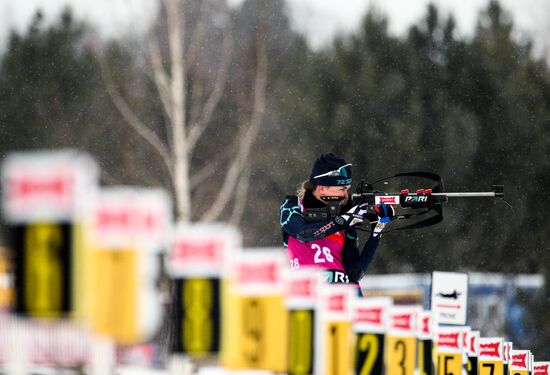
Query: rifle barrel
[(469, 194)]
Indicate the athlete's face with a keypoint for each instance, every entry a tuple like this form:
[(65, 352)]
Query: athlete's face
[(333, 191)]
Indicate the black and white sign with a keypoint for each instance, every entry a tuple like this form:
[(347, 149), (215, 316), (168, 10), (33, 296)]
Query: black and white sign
[(449, 297)]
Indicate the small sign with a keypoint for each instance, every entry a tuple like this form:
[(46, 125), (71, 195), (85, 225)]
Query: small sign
[(491, 356), (426, 328), (426, 325), (371, 314), (519, 361), (491, 348), (302, 289), (465, 337), (473, 344), (334, 308), (198, 258), (507, 349), (449, 340), (450, 349), (403, 320), (256, 317), (541, 368), (449, 297), (370, 322), (472, 351), (402, 339), (507, 356)]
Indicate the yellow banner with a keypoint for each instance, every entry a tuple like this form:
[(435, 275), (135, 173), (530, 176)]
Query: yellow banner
[(114, 293), (301, 344), (401, 355), (338, 353), (369, 354), (255, 333), (449, 363)]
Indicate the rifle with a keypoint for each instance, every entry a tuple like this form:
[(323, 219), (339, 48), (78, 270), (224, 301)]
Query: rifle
[(425, 204)]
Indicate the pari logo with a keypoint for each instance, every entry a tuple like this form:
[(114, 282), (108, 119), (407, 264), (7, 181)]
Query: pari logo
[(416, 199)]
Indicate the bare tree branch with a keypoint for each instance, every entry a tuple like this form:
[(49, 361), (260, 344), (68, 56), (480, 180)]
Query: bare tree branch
[(198, 128), (211, 167), (131, 118), (238, 163), (176, 29), (196, 101), (159, 74), (240, 198), (197, 38)]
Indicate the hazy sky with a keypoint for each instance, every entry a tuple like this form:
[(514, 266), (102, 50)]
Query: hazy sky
[(319, 19)]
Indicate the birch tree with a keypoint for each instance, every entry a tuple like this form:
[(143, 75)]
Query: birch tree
[(189, 102)]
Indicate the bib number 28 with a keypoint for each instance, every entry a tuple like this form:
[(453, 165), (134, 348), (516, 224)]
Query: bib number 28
[(322, 254)]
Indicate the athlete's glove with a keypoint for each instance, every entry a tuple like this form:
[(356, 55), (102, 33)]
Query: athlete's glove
[(385, 214), (355, 215)]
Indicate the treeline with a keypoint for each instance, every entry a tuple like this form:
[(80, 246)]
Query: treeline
[(475, 110)]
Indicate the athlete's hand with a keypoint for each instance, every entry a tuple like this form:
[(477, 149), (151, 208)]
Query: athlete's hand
[(355, 215), (385, 213)]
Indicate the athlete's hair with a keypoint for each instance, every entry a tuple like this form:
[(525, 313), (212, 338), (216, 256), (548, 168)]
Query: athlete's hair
[(303, 187)]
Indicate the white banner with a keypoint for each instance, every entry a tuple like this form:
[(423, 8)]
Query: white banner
[(131, 216), (202, 249), (48, 186)]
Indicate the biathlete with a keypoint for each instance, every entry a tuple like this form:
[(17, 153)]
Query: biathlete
[(318, 224)]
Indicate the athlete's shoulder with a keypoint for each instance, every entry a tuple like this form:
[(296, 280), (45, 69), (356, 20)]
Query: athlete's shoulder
[(290, 201), (289, 208)]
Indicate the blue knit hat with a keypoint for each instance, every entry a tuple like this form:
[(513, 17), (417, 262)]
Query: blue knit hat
[(330, 170)]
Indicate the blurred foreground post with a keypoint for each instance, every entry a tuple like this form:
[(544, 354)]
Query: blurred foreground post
[(46, 201), (198, 264)]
